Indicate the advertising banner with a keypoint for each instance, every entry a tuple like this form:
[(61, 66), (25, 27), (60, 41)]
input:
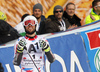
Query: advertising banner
[(70, 54), (92, 43)]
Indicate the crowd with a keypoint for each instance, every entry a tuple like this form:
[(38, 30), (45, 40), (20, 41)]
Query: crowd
[(60, 21)]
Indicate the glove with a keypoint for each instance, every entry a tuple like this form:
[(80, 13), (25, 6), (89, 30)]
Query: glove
[(21, 45), (44, 45)]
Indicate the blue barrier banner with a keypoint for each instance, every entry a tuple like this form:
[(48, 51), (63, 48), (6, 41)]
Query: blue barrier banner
[(6, 58), (92, 42), (70, 52)]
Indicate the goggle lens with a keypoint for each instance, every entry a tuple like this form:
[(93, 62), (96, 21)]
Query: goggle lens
[(32, 22)]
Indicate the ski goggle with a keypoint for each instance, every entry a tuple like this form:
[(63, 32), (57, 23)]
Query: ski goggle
[(58, 11), (31, 22)]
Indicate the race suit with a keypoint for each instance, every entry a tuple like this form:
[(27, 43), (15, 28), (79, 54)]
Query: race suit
[(36, 52)]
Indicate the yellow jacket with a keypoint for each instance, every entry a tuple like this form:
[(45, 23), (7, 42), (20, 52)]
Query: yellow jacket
[(89, 20)]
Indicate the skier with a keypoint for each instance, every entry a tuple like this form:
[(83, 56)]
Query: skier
[(30, 49)]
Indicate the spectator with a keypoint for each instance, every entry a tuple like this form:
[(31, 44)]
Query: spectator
[(55, 23), (19, 27), (3, 16), (37, 12), (7, 32), (70, 15), (95, 13)]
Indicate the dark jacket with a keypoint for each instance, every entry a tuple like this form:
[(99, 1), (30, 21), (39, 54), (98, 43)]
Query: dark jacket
[(42, 18), (7, 32), (74, 20), (51, 25)]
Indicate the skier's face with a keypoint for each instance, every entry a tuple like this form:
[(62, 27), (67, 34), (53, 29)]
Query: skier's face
[(30, 27)]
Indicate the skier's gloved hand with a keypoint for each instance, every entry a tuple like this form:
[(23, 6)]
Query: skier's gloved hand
[(44, 45), (21, 45)]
